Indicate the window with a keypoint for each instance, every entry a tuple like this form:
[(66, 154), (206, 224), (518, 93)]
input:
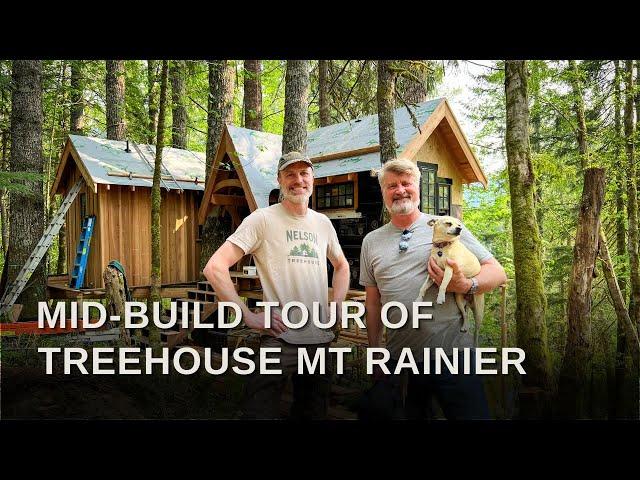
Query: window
[(444, 196), (435, 192), (337, 195)]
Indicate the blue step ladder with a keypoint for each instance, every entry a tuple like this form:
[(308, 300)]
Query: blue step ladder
[(82, 254)]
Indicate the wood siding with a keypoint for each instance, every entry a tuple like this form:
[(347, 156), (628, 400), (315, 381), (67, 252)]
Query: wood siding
[(123, 233), (436, 150)]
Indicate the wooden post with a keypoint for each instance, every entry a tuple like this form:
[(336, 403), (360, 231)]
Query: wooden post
[(115, 297)]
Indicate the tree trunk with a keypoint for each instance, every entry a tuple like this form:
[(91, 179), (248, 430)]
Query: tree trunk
[(178, 107), (114, 86), (323, 92), (216, 229), (4, 211), (637, 100), (156, 199), (77, 98), (531, 301), (626, 397), (632, 201), (574, 392), (220, 107), (621, 229), (578, 108), (296, 108), (386, 123), (27, 212), (252, 95), (152, 100)]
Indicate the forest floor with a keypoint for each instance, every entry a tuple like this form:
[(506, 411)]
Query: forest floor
[(29, 393)]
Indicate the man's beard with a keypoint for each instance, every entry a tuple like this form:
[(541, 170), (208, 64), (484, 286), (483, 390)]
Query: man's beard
[(403, 206), (299, 199)]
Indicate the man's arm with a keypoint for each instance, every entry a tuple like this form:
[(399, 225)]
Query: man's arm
[(491, 276), (373, 307), (341, 275), (217, 273)]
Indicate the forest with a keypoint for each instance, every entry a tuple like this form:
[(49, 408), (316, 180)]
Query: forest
[(560, 213)]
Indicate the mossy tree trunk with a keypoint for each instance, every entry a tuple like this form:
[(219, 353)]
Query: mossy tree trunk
[(252, 94), (618, 170), (632, 199), (156, 200), (296, 108), (27, 210), (152, 100), (114, 89), (625, 395), (531, 301)]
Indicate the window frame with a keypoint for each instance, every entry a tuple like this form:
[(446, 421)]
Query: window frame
[(318, 188), (438, 182)]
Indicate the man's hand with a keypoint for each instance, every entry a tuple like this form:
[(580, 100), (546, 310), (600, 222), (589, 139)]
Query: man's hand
[(458, 284), (257, 321)]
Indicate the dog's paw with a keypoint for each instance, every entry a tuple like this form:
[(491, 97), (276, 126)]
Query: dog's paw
[(440, 299)]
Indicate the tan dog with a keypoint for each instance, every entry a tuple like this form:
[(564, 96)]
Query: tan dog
[(446, 244)]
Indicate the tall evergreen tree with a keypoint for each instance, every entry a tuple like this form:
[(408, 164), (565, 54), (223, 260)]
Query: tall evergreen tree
[(531, 300), (152, 100), (220, 111), (77, 98), (27, 209), (252, 94), (156, 204), (632, 199), (115, 87), (323, 93), (177, 71), (296, 107), (386, 105)]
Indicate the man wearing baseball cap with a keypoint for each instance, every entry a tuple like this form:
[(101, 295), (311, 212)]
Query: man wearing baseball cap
[(290, 244)]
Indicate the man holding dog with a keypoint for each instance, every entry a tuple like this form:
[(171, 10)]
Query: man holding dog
[(394, 263), (290, 244)]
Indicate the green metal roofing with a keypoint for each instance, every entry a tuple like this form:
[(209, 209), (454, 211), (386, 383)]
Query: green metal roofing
[(259, 152), (363, 132), (103, 157)]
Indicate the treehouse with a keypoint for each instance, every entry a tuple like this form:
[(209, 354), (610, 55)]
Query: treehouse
[(117, 191), (346, 157)]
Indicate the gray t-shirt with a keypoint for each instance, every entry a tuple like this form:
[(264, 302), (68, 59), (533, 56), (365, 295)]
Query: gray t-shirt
[(399, 276)]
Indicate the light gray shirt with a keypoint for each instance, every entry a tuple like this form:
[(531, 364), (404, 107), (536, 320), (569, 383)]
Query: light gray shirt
[(398, 275)]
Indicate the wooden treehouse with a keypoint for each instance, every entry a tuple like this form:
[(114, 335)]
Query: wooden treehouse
[(117, 190), (346, 157)]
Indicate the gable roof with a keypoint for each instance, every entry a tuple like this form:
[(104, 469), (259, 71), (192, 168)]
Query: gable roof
[(103, 161), (345, 147)]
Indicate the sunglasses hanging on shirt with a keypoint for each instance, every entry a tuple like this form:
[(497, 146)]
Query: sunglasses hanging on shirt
[(404, 240)]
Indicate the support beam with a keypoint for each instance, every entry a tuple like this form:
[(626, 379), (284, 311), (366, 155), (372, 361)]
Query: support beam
[(218, 199)]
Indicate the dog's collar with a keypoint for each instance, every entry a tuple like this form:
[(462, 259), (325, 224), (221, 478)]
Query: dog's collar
[(441, 244)]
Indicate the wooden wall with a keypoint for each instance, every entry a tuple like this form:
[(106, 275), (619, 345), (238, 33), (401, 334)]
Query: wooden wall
[(73, 222), (436, 150), (123, 233)]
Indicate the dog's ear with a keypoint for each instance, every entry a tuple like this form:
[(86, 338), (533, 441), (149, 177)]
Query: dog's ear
[(431, 222)]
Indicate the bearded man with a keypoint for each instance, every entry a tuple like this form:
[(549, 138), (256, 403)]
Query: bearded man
[(290, 244), (394, 262)]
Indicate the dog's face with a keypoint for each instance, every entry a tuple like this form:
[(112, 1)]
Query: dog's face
[(445, 229)]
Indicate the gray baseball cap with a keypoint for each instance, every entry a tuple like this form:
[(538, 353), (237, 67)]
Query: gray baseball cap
[(292, 157)]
